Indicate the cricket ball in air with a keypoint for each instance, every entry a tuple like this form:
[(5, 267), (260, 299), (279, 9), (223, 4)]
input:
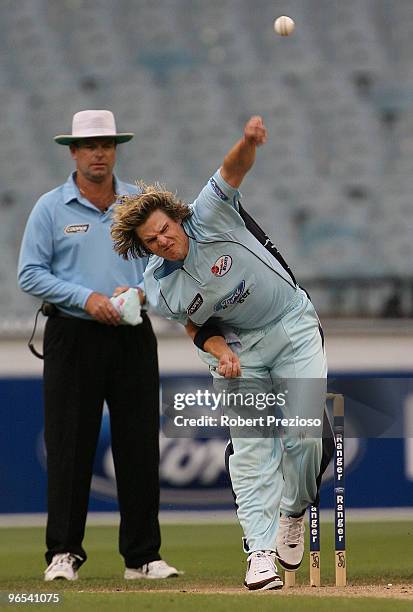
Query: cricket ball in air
[(284, 26)]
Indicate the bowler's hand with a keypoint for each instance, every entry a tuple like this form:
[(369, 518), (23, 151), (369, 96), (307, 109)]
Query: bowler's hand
[(229, 365), (255, 131), (100, 308), (141, 293)]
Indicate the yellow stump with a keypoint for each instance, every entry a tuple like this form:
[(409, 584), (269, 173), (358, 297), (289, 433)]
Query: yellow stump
[(289, 579), (315, 576), (341, 568)]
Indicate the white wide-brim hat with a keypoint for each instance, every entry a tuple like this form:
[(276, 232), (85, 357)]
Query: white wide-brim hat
[(93, 124)]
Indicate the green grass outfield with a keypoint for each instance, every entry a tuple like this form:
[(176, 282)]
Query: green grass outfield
[(378, 554)]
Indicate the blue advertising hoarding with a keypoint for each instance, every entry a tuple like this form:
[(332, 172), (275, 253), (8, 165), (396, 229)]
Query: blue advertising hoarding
[(192, 469)]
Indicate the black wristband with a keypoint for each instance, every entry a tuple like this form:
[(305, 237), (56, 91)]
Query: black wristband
[(206, 332)]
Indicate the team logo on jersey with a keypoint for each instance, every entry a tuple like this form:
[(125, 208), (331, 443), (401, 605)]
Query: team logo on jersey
[(231, 298), (195, 304), (218, 190), (76, 229), (222, 265)]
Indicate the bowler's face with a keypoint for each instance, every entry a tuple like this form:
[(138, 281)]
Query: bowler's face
[(163, 236), (95, 158)]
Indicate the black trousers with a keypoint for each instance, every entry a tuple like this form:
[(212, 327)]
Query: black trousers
[(85, 363)]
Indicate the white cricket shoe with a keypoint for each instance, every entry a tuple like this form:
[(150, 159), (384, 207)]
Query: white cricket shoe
[(290, 541), (153, 570), (63, 566), (262, 573)]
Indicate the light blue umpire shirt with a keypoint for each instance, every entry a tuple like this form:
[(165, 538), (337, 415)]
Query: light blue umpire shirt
[(67, 251), (228, 276)]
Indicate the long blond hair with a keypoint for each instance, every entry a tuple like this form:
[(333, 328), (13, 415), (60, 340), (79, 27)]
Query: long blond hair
[(133, 210)]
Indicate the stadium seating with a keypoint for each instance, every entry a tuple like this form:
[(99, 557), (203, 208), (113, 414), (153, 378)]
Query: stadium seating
[(333, 185)]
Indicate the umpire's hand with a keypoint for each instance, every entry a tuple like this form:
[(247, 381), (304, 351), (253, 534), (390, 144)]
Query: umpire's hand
[(100, 308)]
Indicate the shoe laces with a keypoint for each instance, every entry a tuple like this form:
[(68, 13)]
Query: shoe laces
[(158, 564), (292, 529), (63, 559), (263, 561)]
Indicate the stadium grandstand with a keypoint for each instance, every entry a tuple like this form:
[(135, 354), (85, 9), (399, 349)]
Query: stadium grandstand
[(333, 186)]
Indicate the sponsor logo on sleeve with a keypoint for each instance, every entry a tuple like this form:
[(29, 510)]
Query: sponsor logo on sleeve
[(244, 296), (218, 190), (222, 265), (77, 229), (195, 304), (235, 296)]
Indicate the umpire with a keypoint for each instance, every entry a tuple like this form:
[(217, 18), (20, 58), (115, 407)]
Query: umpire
[(67, 258)]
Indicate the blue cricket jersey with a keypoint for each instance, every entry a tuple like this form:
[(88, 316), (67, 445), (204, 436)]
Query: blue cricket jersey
[(67, 251), (227, 276)]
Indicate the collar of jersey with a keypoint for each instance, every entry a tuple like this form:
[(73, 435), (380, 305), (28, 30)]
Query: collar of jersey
[(167, 267), (71, 191)]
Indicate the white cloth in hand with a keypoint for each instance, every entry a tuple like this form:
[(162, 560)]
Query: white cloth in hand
[(128, 305)]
